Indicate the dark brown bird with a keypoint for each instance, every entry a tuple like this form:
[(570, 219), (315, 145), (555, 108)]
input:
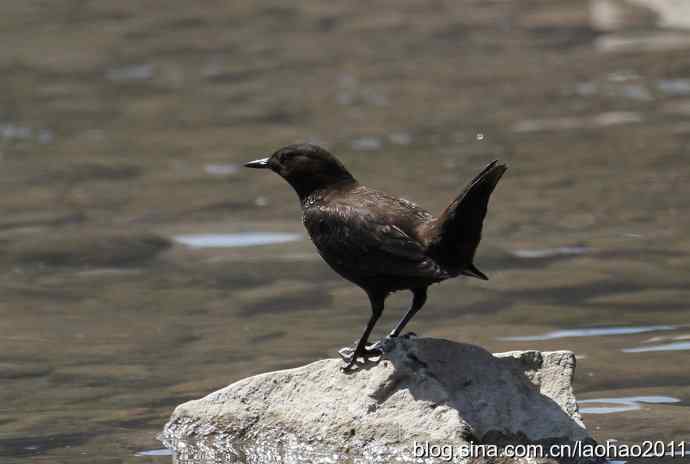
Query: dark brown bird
[(380, 242)]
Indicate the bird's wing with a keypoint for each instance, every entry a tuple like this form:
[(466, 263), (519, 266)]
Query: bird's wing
[(357, 240)]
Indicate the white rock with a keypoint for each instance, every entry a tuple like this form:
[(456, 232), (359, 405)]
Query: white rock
[(424, 389)]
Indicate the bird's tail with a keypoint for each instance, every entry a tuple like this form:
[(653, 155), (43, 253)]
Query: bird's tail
[(456, 233)]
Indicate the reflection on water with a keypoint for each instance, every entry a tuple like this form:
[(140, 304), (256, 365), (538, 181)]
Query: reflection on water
[(234, 240), (122, 125), (367, 144), (289, 450), (592, 332), (675, 87), (155, 452), (551, 252), (675, 346), (138, 72), (563, 123), (222, 169), (629, 403), (10, 132)]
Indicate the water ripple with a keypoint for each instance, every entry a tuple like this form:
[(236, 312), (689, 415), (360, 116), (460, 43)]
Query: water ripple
[(629, 403), (592, 332), (675, 346), (235, 240)]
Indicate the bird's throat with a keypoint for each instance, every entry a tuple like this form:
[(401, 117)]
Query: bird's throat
[(317, 186)]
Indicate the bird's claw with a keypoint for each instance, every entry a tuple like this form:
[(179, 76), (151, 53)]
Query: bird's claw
[(370, 354), (346, 353)]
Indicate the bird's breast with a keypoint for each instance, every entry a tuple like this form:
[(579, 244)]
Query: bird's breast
[(318, 226)]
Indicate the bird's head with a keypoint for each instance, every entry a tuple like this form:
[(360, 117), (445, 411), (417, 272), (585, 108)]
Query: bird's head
[(306, 168)]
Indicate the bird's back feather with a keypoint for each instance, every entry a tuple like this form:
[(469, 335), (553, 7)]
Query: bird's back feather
[(371, 238)]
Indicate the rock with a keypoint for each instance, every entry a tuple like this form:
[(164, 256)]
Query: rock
[(424, 389)]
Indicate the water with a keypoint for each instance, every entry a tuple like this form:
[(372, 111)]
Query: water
[(222, 169), (155, 452), (235, 240), (551, 252), (591, 332), (675, 346), (122, 128), (630, 403)]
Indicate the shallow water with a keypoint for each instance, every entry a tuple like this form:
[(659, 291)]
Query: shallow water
[(592, 332), (630, 403), (675, 346), (234, 240), (122, 127)]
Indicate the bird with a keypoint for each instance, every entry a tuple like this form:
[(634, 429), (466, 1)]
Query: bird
[(380, 242)]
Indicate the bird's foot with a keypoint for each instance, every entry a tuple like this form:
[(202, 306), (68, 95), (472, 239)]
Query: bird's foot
[(372, 351), (368, 355), (346, 353)]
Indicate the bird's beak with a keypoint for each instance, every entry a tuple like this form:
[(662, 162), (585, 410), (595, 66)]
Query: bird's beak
[(258, 164)]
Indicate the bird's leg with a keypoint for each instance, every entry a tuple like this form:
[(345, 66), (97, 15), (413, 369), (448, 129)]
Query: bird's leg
[(361, 351), (418, 300)]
